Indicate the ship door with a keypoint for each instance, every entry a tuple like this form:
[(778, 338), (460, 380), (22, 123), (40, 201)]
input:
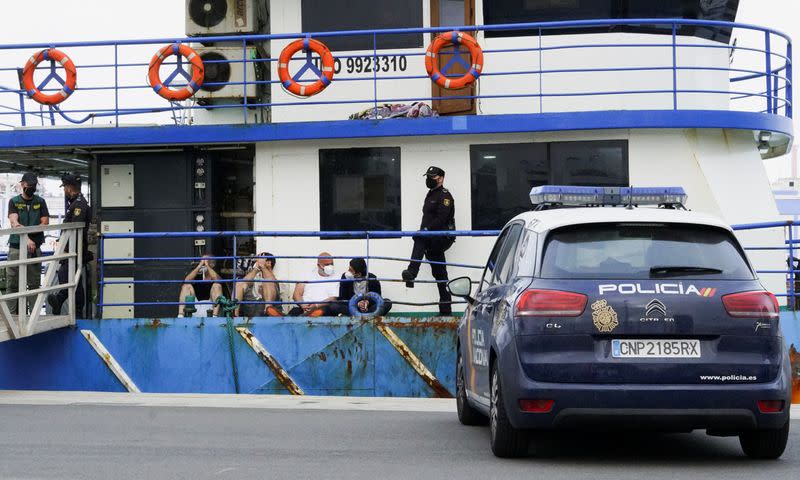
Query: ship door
[(453, 13)]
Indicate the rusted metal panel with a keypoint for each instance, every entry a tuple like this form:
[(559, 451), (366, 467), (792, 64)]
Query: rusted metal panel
[(438, 389), (263, 354), (109, 360)]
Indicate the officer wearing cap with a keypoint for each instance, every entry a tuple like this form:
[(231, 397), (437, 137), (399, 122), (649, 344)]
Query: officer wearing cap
[(438, 213), (77, 211), (26, 210)]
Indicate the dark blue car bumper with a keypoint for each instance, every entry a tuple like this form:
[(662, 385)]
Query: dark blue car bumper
[(720, 408)]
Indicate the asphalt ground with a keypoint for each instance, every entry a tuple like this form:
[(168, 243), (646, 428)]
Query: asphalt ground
[(101, 436)]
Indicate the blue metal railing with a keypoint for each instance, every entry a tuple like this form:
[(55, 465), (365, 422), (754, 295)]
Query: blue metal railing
[(235, 278), (768, 88), (791, 292)]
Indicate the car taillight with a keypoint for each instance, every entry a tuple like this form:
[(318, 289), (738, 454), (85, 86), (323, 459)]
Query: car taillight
[(758, 304), (536, 406), (550, 303), (770, 406)]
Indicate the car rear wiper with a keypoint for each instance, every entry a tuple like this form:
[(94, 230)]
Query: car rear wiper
[(663, 270)]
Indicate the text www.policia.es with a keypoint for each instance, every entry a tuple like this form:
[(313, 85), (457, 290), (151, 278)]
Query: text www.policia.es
[(728, 378)]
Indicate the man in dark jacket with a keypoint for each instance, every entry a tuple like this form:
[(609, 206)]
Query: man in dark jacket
[(77, 211), (353, 283), (438, 213)]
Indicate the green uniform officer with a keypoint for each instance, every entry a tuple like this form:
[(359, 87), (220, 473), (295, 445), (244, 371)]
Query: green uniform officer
[(26, 210)]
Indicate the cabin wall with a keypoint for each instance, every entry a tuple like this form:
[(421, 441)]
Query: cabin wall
[(287, 194)]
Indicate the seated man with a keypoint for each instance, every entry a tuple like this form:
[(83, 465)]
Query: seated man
[(315, 296), (353, 283), (252, 291), (203, 291)]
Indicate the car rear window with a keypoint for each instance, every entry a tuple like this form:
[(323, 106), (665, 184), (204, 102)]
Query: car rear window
[(637, 250)]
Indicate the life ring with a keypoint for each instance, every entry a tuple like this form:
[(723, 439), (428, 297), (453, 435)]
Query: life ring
[(352, 306), (307, 45), (198, 72), (454, 38), (66, 88)]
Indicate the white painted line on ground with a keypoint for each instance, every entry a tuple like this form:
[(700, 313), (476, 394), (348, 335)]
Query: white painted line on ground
[(282, 402), (278, 402)]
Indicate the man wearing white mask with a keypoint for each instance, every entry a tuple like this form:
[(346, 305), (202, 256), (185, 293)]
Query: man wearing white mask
[(320, 289)]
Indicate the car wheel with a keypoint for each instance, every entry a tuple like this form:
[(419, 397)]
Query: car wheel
[(466, 414), (765, 444), (506, 441)]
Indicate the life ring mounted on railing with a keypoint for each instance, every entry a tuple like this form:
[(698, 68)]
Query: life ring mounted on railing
[(325, 76), (195, 81), (67, 85), (454, 38)]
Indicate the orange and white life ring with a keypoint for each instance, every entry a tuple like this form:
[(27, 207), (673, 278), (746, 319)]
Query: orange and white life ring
[(66, 88), (198, 72), (454, 38), (307, 45)]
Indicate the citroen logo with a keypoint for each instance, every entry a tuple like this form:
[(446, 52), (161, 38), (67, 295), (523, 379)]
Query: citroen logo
[(656, 307)]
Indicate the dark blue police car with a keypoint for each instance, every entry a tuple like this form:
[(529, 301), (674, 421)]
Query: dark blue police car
[(626, 317)]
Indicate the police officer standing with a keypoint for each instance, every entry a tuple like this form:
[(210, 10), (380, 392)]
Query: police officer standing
[(26, 210), (438, 213), (77, 211)]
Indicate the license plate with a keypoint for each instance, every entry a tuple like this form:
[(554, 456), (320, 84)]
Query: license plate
[(642, 348)]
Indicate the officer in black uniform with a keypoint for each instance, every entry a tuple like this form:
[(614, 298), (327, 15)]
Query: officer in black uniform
[(438, 213), (77, 211)]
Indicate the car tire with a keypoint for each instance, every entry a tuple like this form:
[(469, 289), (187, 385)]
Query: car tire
[(765, 444), (467, 415), (506, 441)]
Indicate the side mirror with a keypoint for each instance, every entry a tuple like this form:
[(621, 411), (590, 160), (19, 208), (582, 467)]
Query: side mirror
[(461, 287)]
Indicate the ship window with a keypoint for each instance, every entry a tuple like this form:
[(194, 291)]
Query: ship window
[(336, 15), (359, 189), (502, 175), (524, 11)]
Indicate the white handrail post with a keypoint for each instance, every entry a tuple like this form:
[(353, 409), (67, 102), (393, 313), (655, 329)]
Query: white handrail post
[(22, 278), (71, 275), (79, 236)]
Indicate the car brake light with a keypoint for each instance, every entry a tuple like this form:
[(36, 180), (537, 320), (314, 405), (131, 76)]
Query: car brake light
[(758, 304), (550, 303), (536, 406), (770, 406)]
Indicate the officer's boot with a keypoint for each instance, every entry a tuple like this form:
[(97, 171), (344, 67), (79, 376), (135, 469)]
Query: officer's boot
[(408, 277)]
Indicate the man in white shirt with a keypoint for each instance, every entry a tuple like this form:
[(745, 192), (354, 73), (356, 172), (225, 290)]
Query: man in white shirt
[(315, 295)]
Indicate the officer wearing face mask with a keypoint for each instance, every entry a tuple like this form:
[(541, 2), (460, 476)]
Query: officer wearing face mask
[(438, 213), (316, 294), (26, 210), (78, 210)]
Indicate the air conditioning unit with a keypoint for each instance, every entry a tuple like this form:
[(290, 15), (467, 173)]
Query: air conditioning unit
[(222, 17), (224, 64)]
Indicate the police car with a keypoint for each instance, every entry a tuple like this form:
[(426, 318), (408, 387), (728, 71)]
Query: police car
[(621, 316)]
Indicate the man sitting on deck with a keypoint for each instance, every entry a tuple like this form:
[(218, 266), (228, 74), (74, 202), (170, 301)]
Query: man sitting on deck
[(201, 291), (354, 283), (251, 290), (315, 295)]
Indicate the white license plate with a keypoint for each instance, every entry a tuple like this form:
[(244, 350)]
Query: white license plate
[(643, 348)]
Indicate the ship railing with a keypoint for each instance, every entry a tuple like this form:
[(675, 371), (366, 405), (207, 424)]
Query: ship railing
[(761, 84), (233, 264), (30, 302), (790, 248)]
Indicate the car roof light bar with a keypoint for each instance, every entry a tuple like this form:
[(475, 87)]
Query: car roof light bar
[(574, 196)]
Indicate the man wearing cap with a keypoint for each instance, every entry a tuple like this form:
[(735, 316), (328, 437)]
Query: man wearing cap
[(77, 211), (26, 210), (438, 213)]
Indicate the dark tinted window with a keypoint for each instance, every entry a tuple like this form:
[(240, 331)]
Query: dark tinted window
[(336, 15), (503, 174), (630, 251), (505, 262), (524, 11), (359, 189), (491, 263)]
